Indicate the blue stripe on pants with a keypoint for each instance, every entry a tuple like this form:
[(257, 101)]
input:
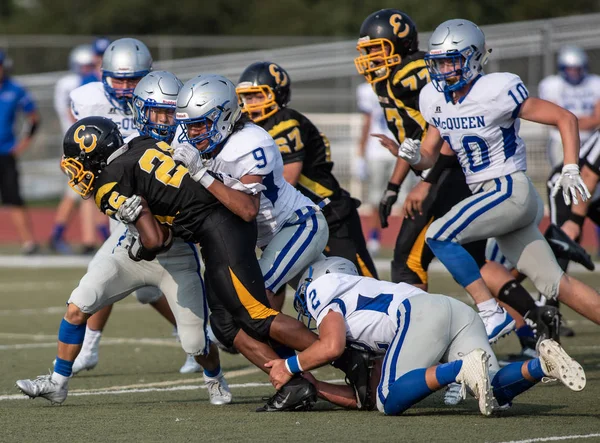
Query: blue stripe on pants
[(396, 352), (299, 251), (469, 205)]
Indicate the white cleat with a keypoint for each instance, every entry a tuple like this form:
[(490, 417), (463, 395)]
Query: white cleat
[(190, 366), (43, 386), (474, 374), (558, 365), (453, 394), (218, 390), (87, 361), (497, 323)]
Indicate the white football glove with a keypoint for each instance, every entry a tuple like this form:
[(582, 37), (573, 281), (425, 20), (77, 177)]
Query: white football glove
[(130, 210), (190, 157), (571, 183), (410, 150)]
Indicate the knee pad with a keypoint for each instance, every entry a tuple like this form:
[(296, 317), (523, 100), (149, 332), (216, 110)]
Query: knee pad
[(193, 340), (148, 294), (87, 299)]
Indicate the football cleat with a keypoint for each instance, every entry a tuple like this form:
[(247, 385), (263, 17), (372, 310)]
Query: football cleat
[(474, 375), (43, 386), (190, 366), (60, 247), (545, 322), (87, 361), (564, 247), (357, 365), (453, 394), (298, 394), (497, 323), (558, 365), (218, 389)]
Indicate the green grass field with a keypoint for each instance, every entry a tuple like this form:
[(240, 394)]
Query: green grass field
[(137, 394)]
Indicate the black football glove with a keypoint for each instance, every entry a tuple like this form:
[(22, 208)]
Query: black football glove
[(390, 197)]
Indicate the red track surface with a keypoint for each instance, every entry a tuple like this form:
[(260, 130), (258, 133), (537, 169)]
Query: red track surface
[(43, 220)]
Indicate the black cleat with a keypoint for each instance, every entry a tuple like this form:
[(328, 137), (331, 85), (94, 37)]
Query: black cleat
[(565, 331), (545, 322), (564, 247), (357, 365), (298, 394)]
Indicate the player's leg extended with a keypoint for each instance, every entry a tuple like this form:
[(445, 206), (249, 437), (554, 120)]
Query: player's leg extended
[(178, 273), (411, 254), (410, 371), (291, 251), (346, 240), (110, 279)]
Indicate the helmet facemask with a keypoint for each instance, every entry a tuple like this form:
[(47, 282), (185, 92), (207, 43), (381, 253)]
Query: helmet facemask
[(80, 179), (143, 110), (257, 111), (452, 70), (300, 300), (376, 59), (210, 121), (121, 97)]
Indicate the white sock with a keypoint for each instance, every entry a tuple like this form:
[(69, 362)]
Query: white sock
[(59, 379), (91, 341), (488, 305)]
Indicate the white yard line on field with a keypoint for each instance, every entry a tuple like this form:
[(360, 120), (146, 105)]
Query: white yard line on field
[(554, 438), (169, 342)]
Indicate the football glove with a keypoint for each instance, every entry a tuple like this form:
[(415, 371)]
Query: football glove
[(190, 157), (410, 150), (571, 183), (130, 210), (390, 196)]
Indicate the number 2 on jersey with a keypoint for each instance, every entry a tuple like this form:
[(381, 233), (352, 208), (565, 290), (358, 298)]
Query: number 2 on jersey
[(167, 172)]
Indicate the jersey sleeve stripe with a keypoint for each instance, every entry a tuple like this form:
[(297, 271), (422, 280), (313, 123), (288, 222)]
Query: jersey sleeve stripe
[(102, 191)]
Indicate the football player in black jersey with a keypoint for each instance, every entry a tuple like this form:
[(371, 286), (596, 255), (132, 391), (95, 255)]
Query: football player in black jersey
[(264, 93), (392, 63), (100, 166)]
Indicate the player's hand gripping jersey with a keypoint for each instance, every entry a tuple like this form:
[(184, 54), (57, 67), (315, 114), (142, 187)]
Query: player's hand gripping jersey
[(91, 100), (371, 308), (482, 128), (251, 151), (146, 168)]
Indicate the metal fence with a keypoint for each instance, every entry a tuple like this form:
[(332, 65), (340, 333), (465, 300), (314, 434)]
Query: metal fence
[(323, 75)]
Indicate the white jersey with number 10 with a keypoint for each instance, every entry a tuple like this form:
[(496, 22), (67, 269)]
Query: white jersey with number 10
[(482, 128)]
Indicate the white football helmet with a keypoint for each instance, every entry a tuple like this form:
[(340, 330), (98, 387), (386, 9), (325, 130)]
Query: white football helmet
[(158, 89), (572, 64), (80, 57), (329, 265), (459, 43), (209, 99), (124, 58)]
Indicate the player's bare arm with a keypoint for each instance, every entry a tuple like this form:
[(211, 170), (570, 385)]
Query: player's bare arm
[(291, 172), (243, 205), (329, 346), (547, 113), (152, 234)]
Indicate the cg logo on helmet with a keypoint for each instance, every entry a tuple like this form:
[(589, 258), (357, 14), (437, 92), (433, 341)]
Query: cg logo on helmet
[(396, 22), (81, 140), (280, 78)]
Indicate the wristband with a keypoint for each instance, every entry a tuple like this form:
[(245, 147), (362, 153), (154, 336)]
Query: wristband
[(292, 364), (576, 218), (393, 187)]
